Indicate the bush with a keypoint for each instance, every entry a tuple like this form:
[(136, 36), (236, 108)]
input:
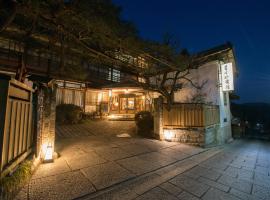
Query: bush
[(68, 114), (145, 123), (11, 184)]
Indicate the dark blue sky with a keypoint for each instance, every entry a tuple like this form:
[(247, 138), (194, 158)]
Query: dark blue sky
[(199, 25)]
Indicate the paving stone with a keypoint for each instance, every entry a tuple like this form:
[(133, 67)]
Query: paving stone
[(261, 179), (176, 154), (138, 166), (176, 168), (215, 164), (151, 145), (242, 195), (237, 162), (157, 194), (112, 153), (187, 196), (232, 171), (48, 169), (63, 186), (238, 184), (263, 163), (214, 194), (262, 170), (201, 171), (190, 185), (156, 157), (260, 191), (144, 183), (86, 160), (106, 174), (135, 149), (245, 174), (188, 149), (214, 184), (172, 189), (119, 194)]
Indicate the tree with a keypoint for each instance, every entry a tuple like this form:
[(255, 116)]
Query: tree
[(94, 31)]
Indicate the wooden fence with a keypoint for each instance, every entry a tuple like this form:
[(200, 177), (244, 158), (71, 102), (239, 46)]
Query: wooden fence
[(16, 132), (190, 115)]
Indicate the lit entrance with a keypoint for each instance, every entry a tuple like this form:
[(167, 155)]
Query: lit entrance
[(127, 103)]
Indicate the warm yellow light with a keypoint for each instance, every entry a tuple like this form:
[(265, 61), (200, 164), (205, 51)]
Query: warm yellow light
[(113, 116), (168, 135), (47, 152), (126, 91), (116, 103), (99, 97), (110, 93)]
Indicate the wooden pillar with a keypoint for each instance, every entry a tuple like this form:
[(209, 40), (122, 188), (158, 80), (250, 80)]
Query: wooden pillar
[(4, 84)]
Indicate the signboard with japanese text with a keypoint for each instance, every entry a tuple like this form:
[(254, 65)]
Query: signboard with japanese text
[(227, 77)]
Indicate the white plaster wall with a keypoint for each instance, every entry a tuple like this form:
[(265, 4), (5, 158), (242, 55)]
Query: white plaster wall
[(207, 73)]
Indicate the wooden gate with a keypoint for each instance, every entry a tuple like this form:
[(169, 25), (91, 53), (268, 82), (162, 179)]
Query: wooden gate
[(16, 127)]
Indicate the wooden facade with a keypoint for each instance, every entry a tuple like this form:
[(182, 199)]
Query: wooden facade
[(191, 115), (16, 127)]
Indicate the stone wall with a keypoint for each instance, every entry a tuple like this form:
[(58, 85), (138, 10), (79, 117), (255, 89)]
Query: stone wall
[(194, 136), (45, 119)]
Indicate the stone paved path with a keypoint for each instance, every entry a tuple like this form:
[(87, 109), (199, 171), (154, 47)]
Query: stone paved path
[(96, 164)]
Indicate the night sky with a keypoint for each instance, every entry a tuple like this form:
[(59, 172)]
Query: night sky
[(199, 25)]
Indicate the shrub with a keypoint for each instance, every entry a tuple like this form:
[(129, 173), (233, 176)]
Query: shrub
[(145, 123), (68, 114), (11, 184)]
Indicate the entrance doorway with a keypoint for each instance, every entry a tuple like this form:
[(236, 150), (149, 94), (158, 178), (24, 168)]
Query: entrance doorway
[(127, 104)]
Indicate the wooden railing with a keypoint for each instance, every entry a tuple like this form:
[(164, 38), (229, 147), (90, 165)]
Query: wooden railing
[(16, 127), (190, 115)]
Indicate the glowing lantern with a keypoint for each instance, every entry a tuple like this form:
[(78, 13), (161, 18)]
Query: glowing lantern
[(48, 153), (168, 135)]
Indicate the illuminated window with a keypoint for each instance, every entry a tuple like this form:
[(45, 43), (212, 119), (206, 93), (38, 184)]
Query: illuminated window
[(114, 75), (130, 105)]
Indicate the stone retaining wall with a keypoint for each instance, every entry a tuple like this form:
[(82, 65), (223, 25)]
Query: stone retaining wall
[(195, 136)]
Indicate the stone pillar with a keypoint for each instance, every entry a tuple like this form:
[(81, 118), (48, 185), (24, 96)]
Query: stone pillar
[(45, 120), (158, 115)]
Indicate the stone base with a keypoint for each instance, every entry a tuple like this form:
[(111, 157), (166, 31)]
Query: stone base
[(185, 135), (207, 136)]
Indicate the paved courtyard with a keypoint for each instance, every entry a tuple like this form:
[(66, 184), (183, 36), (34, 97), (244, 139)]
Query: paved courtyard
[(106, 160)]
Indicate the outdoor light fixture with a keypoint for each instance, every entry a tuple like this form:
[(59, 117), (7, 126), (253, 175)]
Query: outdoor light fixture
[(48, 152), (168, 135), (112, 116)]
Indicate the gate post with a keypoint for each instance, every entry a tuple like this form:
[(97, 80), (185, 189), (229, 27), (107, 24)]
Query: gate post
[(158, 118), (4, 84), (45, 98)]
